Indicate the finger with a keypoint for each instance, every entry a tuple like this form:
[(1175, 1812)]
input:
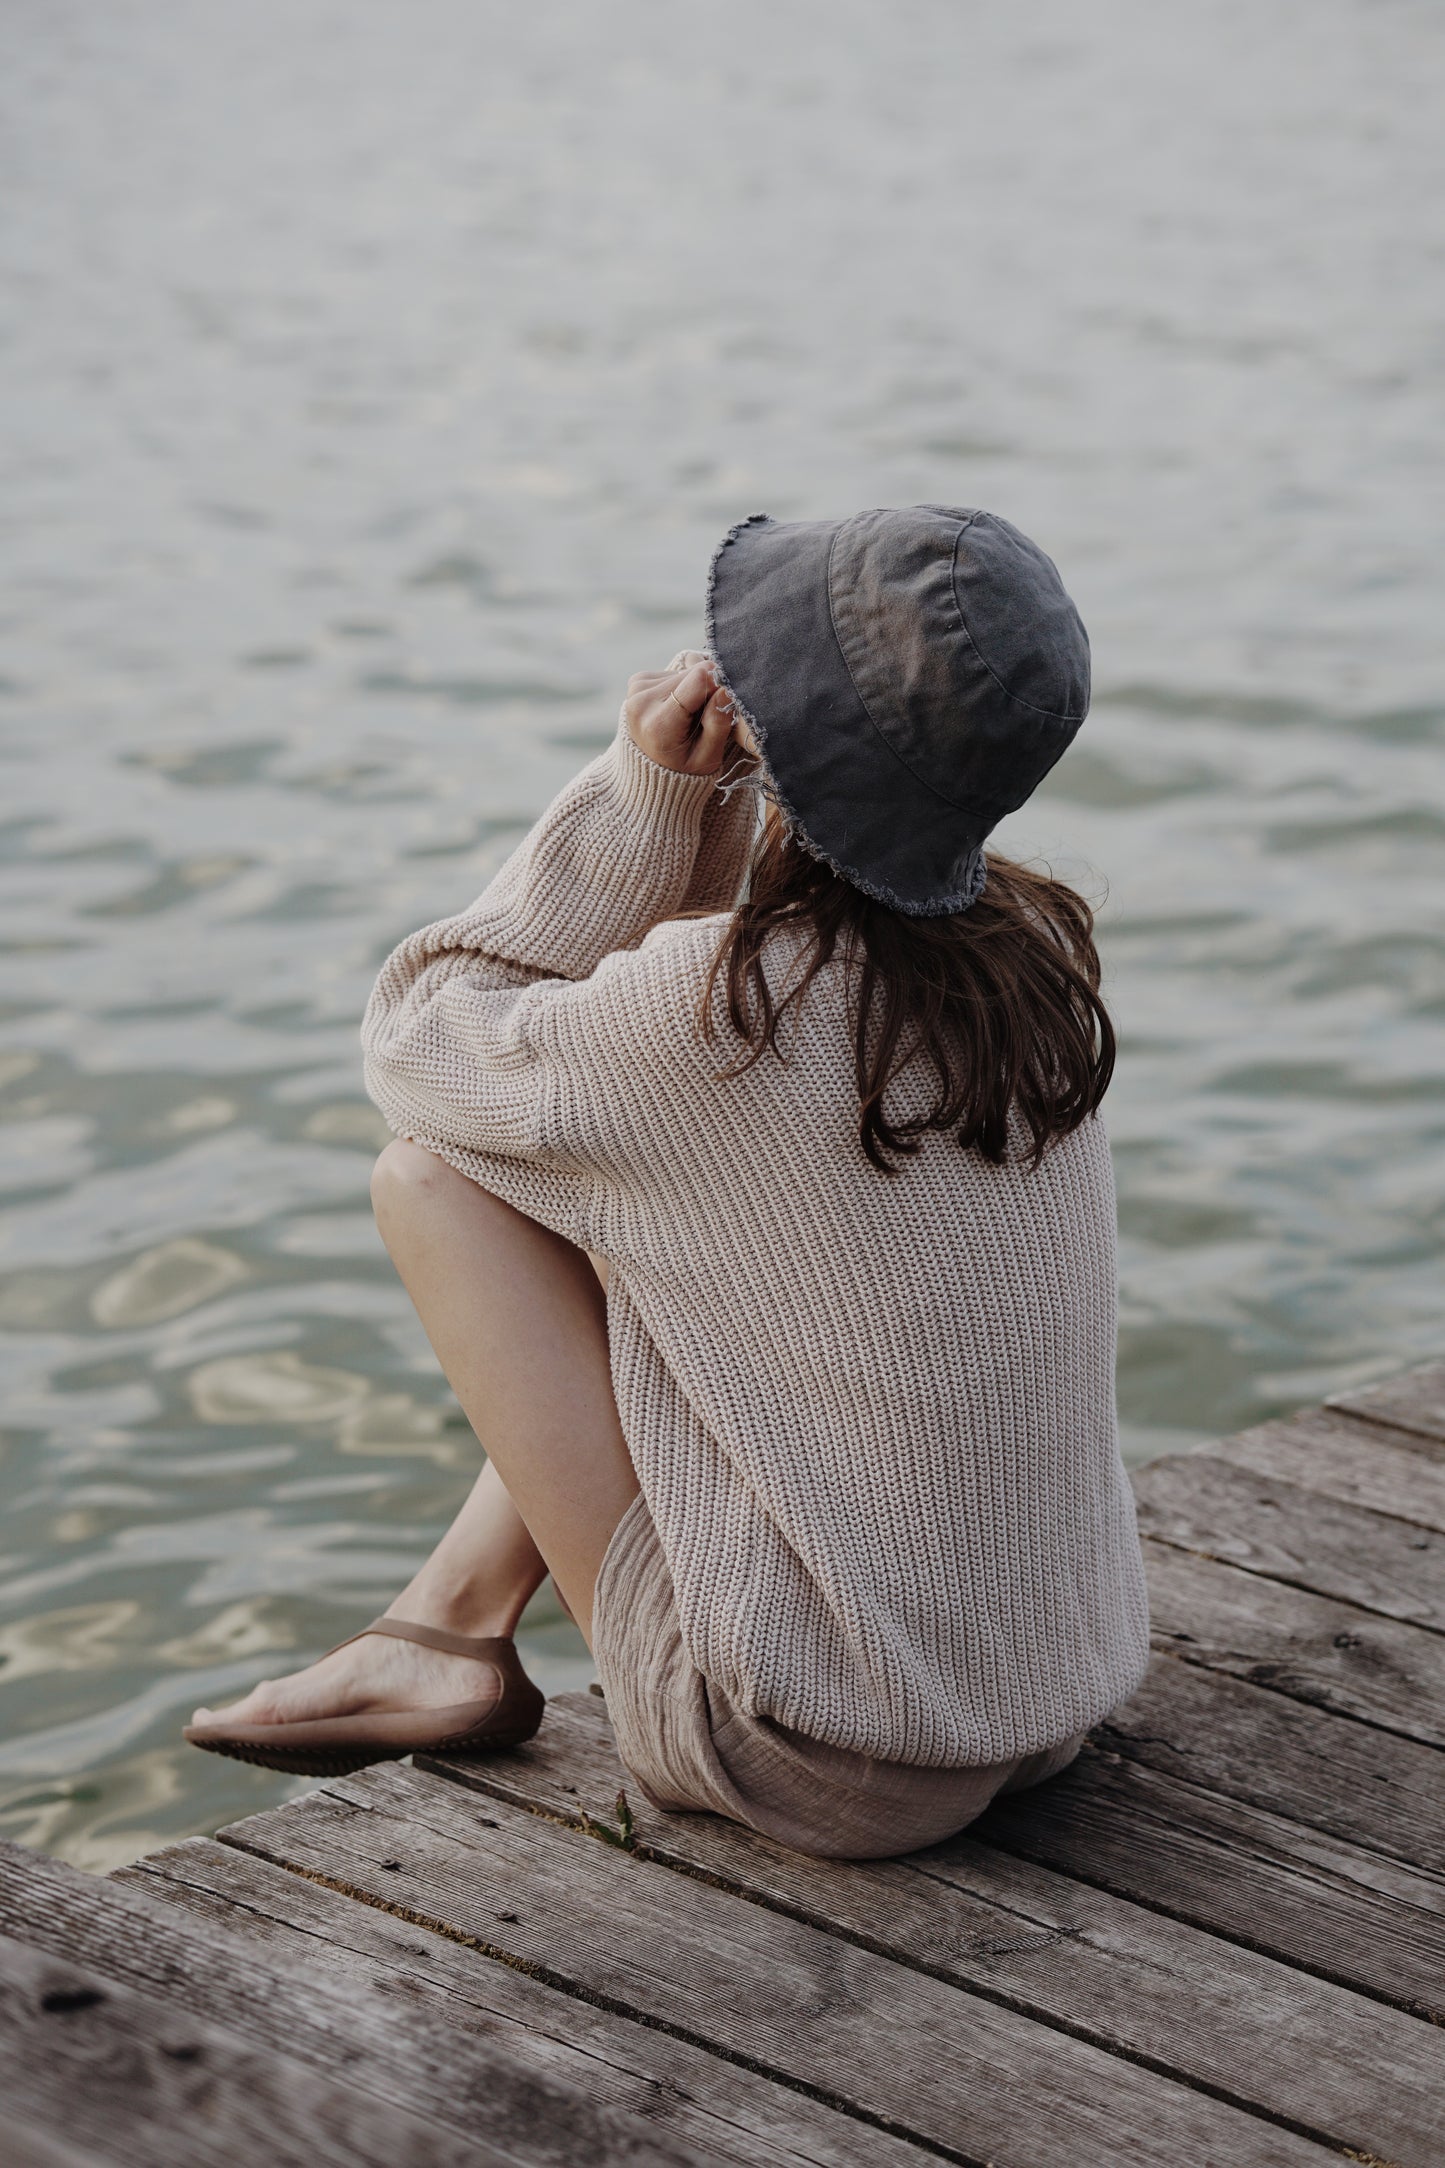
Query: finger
[(714, 733), (642, 681), (688, 690), (687, 658), (661, 711)]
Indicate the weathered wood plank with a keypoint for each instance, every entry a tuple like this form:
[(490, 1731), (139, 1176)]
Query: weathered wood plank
[(1342, 1910), (1272, 1884), (1200, 1503), (27, 2147), (1345, 1458), (1246, 2027), (715, 2108), (389, 2047), (912, 2052), (1414, 1401), (121, 2079), (1369, 1787), (40, 2149), (1312, 1648)]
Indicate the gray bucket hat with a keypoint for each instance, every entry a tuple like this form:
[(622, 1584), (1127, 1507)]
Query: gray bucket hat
[(910, 676)]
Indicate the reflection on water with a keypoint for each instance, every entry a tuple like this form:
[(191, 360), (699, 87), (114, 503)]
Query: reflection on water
[(376, 397), (163, 1282)]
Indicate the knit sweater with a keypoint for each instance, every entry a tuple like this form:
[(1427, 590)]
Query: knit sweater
[(872, 1417)]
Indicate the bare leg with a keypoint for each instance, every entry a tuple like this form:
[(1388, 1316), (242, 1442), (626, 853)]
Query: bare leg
[(519, 1325), (518, 1322)]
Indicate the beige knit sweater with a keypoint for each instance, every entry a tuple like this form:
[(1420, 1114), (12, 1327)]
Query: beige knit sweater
[(873, 1419)]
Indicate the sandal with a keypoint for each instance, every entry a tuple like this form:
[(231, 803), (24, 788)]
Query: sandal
[(332, 1746)]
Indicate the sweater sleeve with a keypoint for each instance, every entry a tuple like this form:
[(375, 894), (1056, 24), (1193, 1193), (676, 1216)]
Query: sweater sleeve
[(462, 1040)]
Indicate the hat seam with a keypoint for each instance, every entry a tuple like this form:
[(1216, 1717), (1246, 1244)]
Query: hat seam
[(1050, 715), (874, 725), (946, 906)]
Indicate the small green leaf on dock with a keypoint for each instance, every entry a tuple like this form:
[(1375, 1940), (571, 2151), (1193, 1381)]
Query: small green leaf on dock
[(624, 1836)]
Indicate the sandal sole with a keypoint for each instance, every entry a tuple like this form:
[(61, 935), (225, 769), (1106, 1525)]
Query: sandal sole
[(343, 1762)]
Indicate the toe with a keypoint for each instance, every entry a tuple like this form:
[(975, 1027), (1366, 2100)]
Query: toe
[(248, 1710)]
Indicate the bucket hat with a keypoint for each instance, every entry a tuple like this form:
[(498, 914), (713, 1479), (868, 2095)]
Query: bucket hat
[(910, 677)]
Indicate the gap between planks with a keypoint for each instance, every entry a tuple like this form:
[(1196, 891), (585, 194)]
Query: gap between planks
[(779, 1995), (1335, 1513), (1172, 1992), (1304, 1538), (178, 2090), (1314, 1649), (1316, 1890), (1412, 1401), (695, 2097)]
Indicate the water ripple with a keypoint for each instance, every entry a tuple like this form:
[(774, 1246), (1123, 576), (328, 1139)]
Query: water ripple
[(405, 390)]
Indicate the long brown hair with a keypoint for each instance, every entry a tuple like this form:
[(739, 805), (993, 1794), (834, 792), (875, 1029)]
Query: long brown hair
[(1001, 1002)]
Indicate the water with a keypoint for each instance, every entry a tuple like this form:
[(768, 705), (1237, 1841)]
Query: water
[(377, 380)]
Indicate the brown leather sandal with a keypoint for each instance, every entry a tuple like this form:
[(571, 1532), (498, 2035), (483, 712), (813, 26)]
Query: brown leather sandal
[(332, 1746)]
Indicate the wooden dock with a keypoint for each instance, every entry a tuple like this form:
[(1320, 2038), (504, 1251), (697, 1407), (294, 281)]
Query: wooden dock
[(1218, 1939)]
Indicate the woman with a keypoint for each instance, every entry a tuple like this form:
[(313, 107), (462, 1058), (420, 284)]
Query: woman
[(830, 1478)]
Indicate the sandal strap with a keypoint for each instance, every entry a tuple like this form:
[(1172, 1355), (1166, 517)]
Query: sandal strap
[(487, 1648)]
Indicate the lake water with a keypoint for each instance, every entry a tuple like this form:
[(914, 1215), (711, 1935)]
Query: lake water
[(376, 381)]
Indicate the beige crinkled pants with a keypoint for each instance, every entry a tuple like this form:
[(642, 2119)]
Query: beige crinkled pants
[(691, 1751)]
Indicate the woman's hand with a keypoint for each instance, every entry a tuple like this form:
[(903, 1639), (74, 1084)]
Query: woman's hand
[(680, 717)]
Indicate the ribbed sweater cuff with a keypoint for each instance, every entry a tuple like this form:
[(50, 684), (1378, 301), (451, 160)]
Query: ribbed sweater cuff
[(672, 804)]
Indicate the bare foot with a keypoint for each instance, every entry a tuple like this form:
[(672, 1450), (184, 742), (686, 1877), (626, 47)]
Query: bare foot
[(373, 1674)]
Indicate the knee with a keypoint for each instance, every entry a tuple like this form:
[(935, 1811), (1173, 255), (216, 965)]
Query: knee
[(407, 1180)]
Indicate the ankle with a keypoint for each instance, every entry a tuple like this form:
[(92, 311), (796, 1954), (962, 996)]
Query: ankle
[(456, 1611)]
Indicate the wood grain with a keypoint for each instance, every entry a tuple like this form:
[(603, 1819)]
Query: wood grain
[(389, 2047), (1312, 1648), (1211, 1941), (1369, 1787), (906, 2049), (29, 2147), (1345, 1458), (1415, 1401), (1167, 1994), (1201, 1503), (1274, 1885), (122, 2079), (714, 2109)]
